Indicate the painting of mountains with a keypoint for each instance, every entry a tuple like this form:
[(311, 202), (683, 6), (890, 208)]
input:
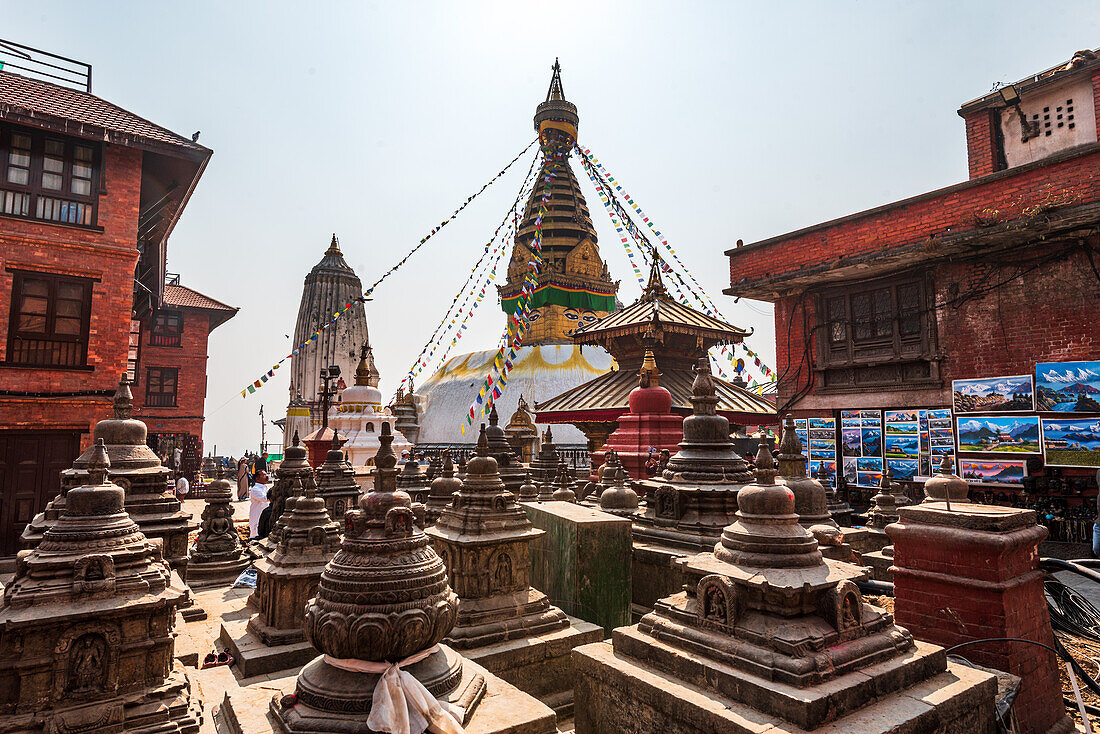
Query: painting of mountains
[(1067, 387), (979, 471), (1072, 442), (902, 447), (1015, 394), (999, 434)]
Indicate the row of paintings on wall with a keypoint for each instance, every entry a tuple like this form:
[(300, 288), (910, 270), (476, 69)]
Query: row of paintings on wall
[(1056, 387), (818, 436), (1065, 442)]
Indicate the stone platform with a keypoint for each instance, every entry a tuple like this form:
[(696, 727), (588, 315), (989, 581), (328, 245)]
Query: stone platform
[(956, 701), (247, 712), (253, 657), (655, 574), (540, 666)]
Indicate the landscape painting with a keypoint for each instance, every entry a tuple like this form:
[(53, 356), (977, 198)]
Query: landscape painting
[(902, 469), (1000, 472), (1072, 442), (870, 463), (1003, 435), (1067, 387), (823, 471), (850, 471), (869, 479), (902, 447), (851, 441), (822, 423), (897, 429), (872, 441), (1015, 394), (900, 416)]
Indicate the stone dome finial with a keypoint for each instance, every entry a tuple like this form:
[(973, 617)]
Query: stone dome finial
[(945, 485), (548, 436), (648, 376), (704, 400), (482, 442), (334, 246), (494, 419), (98, 463), (765, 467), (297, 441), (124, 400)]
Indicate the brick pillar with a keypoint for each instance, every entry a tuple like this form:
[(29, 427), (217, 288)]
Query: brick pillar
[(970, 574), (981, 142)]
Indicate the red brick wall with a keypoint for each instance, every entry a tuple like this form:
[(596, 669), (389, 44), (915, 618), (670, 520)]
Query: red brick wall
[(981, 142), (190, 358), (109, 256)]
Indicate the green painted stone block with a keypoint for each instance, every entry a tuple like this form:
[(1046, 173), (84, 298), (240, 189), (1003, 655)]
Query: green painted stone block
[(582, 562)]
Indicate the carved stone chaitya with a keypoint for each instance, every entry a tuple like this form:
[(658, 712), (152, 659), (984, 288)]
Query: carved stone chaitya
[(544, 467), (484, 538), (282, 495), (774, 633), (406, 414), (528, 491), (564, 492), (945, 485), (522, 433), (336, 483), (884, 509), (442, 489), (217, 557), (383, 597), (617, 498), (413, 479), (86, 626), (512, 473), (150, 499)]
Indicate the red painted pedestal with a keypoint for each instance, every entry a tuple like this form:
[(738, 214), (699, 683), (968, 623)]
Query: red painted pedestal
[(650, 422), (972, 574), (318, 444)]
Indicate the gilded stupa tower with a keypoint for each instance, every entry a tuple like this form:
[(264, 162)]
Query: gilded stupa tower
[(328, 287), (574, 287)]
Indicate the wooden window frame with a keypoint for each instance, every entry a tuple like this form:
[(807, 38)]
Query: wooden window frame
[(164, 336), (16, 335), (58, 206), (161, 399), (842, 348)]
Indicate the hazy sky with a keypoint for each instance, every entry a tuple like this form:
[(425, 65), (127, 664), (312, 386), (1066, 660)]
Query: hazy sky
[(724, 120)]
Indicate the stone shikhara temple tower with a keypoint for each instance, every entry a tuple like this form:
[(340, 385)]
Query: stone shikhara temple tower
[(329, 286), (769, 634), (150, 499), (383, 604), (86, 626), (484, 538)]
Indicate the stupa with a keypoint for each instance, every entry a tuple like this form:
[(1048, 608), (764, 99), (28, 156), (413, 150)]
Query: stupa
[(217, 557), (512, 473), (650, 422), (884, 511), (364, 628), (544, 467), (413, 479), (281, 494), (484, 539), (564, 491), (86, 626), (522, 433), (768, 635), (442, 490), (150, 499), (336, 483), (406, 414), (528, 491), (328, 287), (274, 638), (359, 415), (298, 421), (694, 499), (574, 288), (616, 497)]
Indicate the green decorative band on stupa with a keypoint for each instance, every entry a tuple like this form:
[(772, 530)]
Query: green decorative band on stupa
[(564, 296)]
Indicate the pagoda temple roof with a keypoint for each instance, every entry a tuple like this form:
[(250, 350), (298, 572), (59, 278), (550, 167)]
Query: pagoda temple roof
[(604, 398), (658, 311)]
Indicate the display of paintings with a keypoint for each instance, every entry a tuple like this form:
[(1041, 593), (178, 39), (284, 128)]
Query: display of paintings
[(801, 429), (823, 471), (998, 434), (861, 441), (1067, 387), (1072, 441), (821, 449), (903, 469), (1013, 394), (1000, 472)]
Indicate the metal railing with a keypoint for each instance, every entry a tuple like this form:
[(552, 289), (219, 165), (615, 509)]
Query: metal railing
[(38, 64)]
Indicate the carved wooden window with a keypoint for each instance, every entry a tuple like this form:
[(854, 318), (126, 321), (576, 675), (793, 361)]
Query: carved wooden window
[(877, 333), (167, 329), (48, 177), (161, 387), (49, 320)]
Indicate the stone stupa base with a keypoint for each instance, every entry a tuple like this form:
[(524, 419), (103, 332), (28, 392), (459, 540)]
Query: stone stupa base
[(216, 573), (879, 563), (493, 707), (620, 684), (253, 656), (540, 665)]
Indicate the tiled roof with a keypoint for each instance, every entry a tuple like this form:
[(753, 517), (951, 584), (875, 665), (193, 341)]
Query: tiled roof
[(23, 97), (609, 392), (180, 296), (669, 313)]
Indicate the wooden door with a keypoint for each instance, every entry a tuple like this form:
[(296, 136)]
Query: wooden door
[(30, 467)]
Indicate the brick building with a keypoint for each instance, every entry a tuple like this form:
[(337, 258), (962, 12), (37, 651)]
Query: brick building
[(884, 308), (89, 194)]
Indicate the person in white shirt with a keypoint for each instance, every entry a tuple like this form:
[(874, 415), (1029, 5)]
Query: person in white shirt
[(257, 494), (182, 486)]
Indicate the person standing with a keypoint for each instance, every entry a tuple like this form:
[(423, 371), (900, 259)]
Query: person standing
[(182, 486), (257, 494), (242, 478), (177, 458)]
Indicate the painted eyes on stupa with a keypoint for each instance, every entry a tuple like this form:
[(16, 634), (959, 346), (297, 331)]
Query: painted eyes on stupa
[(534, 316), (572, 315), (588, 317)]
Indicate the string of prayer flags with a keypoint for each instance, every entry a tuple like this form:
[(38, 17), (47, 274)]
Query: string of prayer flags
[(366, 294)]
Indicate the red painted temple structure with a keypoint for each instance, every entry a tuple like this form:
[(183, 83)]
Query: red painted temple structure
[(650, 422)]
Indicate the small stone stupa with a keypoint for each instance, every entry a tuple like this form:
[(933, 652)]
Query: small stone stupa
[(809, 496), (522, 433), (217, 557), (484, 538), (694, 500), (442, 489), (285, 581), (617, 498), (336, 483), (150, 499), (512, 473), (544, 467), (768, 632), (564, 492), (364, 628), (414, 480), (883, 512), (295, 465), (649, 424), (406, 414), (86, 626)]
